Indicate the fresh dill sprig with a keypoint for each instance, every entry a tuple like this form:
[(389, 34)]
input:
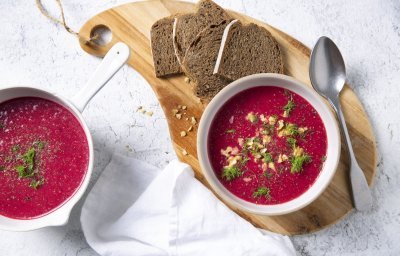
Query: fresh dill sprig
[(262, 191), (289, 106), (230, 173), (298, 161)]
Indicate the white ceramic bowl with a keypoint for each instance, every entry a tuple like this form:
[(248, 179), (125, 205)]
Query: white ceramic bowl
[(286, 82), (111, 63)]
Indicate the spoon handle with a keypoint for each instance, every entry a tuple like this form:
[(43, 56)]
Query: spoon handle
[(361, 193)]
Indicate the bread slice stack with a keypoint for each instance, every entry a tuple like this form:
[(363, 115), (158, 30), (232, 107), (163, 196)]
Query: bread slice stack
[(212, 48)]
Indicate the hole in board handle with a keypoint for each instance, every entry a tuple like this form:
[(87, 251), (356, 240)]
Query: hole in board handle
[(102, 34)]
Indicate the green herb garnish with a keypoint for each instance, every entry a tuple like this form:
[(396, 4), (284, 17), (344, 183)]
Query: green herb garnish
[(15, 148), (262, 191), (230, 131), (268, 174), (291, 142), (291, 130), (267, 157), (230, 173), (244, 160), (27, 170), (23, 172), (29, 158), (36, 183), (298, 161), (268, 128), (40, 144), (289, 106)]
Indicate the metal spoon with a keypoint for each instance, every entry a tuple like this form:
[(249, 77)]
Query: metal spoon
[(328, 75)]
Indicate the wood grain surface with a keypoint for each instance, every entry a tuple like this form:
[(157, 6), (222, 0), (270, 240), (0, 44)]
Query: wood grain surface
[(131, 23)]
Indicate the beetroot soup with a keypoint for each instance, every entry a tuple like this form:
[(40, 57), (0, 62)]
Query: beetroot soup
[(267, 145), (44, 156)]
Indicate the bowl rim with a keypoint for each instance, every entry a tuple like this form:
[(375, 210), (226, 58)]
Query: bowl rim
[(326, 114), (60, 214)]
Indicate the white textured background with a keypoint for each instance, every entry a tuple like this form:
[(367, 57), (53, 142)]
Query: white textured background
[(35, 52)]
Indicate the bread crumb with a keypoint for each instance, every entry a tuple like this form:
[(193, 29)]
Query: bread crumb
[(247, 179), (190, 128), (179, 106), (183, 133), (193, 120), (175, 111), (184, 107), (184, 152), (142, 111), (187, 80), (179, 116), (149, 113)]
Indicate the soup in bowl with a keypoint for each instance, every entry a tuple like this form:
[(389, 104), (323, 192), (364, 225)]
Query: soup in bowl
[(268, 144), (46, 150)]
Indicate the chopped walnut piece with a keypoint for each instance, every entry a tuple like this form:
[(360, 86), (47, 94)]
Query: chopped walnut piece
[(280, 160), (271, 165), (298, 151), (266, 139), (264, 166), (235, 151), (251, 117), (281, 124), (272, 120), (302, 130)]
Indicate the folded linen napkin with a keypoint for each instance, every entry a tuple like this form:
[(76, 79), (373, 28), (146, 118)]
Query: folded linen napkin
[(137, 209)]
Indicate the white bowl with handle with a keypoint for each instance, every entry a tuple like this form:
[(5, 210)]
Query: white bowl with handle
[(112, 62), (285, 82)]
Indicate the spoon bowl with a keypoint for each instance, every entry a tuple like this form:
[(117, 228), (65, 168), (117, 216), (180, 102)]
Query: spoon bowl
[(327, 64)]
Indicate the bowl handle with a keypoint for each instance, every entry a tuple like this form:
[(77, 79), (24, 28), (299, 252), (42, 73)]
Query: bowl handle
[(112, 62)]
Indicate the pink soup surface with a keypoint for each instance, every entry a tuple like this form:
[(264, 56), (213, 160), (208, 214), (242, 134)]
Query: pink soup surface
[(266, 162), (44, 156)]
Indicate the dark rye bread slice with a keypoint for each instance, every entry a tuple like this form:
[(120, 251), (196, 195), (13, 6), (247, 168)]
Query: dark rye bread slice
[(249, 49), (164, 58), (188, 26), (200, 59), (210, 86)]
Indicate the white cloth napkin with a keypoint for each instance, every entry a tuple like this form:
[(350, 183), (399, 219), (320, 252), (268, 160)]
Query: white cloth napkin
[(137, 209)]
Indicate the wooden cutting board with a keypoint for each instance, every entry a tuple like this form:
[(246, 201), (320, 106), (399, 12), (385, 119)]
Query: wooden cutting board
[(131, 23)]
